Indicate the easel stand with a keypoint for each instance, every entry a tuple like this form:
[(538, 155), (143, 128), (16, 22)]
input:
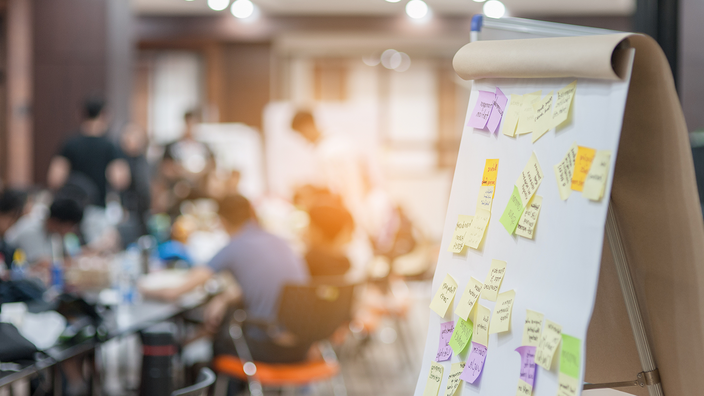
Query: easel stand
[(649, 376)]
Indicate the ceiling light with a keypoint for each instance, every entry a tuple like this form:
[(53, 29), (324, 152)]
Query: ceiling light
[(386, 57), (393, 1), (242, 9), (218, 5), (494, 9), (479, 1), (405, 62), (416, 9)]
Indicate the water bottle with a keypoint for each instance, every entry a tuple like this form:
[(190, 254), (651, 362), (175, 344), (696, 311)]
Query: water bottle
[(57, 263), (131, 261)]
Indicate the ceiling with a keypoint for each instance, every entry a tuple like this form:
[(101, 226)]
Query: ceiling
[(382, 7)]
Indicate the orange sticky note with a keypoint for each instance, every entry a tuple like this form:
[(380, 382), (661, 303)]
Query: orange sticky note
[(491, 170), (582, 163)]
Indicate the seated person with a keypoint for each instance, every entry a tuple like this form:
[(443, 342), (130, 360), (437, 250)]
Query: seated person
[(329, 231), (262, 264), (11, 208)]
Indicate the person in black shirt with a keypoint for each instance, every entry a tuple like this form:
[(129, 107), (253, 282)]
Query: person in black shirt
[(12, 204), (92, 155)]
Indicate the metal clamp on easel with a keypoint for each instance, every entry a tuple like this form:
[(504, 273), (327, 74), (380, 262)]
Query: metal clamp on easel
[(643, 379)]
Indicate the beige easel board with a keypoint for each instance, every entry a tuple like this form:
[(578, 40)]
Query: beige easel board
[(654, 195)]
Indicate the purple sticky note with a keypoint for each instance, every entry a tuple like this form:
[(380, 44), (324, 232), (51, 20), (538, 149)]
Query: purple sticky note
[(445, 350), (482, 110), (499, 106), (527, 364), (475, 363)]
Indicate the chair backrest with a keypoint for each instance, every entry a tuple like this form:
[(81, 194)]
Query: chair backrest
[(206, 378), (313, 312)]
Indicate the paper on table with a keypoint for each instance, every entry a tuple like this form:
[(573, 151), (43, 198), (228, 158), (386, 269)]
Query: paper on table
[(475, 363), (523, 389), (476, 231), (570, 356), (434, 380), (458, 237), (563, 102), (527, 364), (512, 213), (486, 196), (492, 283), (526, 118), (583, 162), (491, 171), (453, 380), (526, 225), (564, 170), (549, 341), (501, 318), (595, 183), (529, 180), (532, 328), (461, 335), (469, 298), (444, 349), (482, 316), (444, 295), (543, 115), (568, 386), (512, 113), (482, 110), (499, 106)]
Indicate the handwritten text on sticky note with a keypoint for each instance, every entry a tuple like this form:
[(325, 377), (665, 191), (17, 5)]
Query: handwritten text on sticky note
[(475, 363), (549, 341), (530, 179), (458, 237), (543, 115), (512, 213), (583, 162), (493, 280), (461, 335), (482, 110), (508, 127), (501, 318), (444, 349), (570, 356), (563, 102), (469, 298), (526, 120), (444, 295), (491, 172), (453, 380), (595, 183), (532, 328), (563, 172), (476, 231), (568, 386), (434, 380), (500, 101), (482, 318), (529, 218), (527, 364)]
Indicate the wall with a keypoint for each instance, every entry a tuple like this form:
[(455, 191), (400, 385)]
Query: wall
[(691, 85)]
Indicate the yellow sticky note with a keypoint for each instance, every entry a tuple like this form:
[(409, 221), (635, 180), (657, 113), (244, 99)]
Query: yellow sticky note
[(477, 228), (454, 381), (444, 295), (583, 162), (529, 218), (524, 388), (491, 171), (532, 328), (493, 280), (549, 341), (543, 116), (501, 318), (458, 237), (595, 183), (482, 316), (469, 297), (563, 103), (527, 117), (568, 386), (529, 180), (510, 122), (434, 380), (563, 172), (486, 196)]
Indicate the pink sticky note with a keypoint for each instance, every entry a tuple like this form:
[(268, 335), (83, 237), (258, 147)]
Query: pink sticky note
[(527, 364), (482, 110), (499, 106), (475, 363), (444, 350)]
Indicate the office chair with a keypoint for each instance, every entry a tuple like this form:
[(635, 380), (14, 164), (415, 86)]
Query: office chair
[(206, 378)]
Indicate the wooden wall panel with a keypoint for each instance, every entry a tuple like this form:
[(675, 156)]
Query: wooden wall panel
[(246, 79)]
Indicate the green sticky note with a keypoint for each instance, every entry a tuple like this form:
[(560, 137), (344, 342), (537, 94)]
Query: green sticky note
[(513, 212), (461, 336), (570, 356)]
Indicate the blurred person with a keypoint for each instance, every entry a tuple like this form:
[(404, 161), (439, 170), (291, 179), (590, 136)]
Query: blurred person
[(136, 198), (329, 231), (12, 204)]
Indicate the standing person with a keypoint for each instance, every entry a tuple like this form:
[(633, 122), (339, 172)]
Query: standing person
[(136, 198)]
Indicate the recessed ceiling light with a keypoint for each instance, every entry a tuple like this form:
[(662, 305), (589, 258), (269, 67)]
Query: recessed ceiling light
[(494, 9), (416, 9), (393, 1), (479, 1), (242, 9), (218, 5)]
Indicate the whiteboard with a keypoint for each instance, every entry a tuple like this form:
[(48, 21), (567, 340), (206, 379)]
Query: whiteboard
[(557, 272)]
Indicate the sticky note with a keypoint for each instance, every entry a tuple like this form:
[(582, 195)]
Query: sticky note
[(444, 349), (475, 363), (529, 218), (476, 231), (482, 316), (444, 295), (595, 183), (461, 335), (497, 112), (469, 298), (568, 386), (458, 237), (493, 280), (543, 116), (523, 389), (583, 162), (526, 118), (529, 180), (532, 328), (501, 318), (512, 213), (508, 127), (527, 364), (563, 172), (434, 380), (453, 380), (549, 341), (491, 171), (486, 196), (482, 110), (563, 103), (570, 356)]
